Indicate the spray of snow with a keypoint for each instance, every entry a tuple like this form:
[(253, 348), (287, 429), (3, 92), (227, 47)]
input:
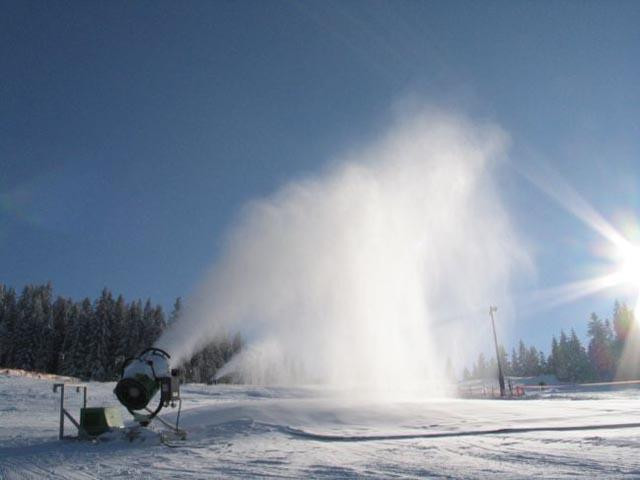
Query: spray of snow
[(352, 277)]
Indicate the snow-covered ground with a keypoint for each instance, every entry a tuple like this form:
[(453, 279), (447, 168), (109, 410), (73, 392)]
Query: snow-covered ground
[(251, 432)]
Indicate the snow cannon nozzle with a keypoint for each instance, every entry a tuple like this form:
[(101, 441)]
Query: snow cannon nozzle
[(142, 377)]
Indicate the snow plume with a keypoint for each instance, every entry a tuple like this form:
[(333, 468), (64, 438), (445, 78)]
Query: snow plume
[(353, 277)]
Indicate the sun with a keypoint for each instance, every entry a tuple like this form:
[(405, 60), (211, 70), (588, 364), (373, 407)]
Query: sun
[(629, 265), (617, 266)]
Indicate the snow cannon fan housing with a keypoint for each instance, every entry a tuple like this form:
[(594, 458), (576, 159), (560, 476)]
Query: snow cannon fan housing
[(141, 379)]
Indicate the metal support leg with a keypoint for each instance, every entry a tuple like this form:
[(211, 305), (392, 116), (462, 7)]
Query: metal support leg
[(63, 412), (55, 387)]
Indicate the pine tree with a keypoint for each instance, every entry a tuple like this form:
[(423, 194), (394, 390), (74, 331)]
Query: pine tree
[(480, 368), (2, 318), (504, 361), (30, 314), (135, 329), (71, 341), (560, 359), (492, 368), (623, 319), (118, 341), (8, 311), (85, 358), (522, 359), (176, 312), (226, 349), (532, 362), (544, 368), (579, 368), (100, 365), (158, 324), (516, 369), (195, 368), (90, 339), (600, 349), (44, 326), (61, 311), (148, 329)]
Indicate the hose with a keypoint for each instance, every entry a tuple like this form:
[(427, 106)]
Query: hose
[(465, 433)]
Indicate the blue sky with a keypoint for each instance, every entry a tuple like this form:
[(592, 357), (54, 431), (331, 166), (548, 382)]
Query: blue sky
[(132, 132)]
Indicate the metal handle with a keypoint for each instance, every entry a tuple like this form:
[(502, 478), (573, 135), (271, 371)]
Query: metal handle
[(155, 349)]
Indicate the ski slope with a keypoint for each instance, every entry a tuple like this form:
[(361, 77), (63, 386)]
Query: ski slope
[(249, 432)]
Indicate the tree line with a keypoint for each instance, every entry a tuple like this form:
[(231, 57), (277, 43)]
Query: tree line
[(568, 359), (90, 339)]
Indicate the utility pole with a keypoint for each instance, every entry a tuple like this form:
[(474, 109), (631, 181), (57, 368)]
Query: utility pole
[(492, 310)]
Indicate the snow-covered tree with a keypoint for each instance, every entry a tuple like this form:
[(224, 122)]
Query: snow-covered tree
[(8, 315), (61, 311), (601, 348)]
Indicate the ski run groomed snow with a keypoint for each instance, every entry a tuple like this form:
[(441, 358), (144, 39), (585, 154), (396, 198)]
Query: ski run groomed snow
[(257, 432)]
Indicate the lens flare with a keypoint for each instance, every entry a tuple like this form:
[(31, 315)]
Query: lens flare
[(629, 265), (621, 271), (619, 252)]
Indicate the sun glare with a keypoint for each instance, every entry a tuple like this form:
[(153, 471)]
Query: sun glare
[(620, 249), (629, 265)]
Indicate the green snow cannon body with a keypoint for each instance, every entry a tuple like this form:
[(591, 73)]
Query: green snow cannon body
[(142, 377), (98, 420)]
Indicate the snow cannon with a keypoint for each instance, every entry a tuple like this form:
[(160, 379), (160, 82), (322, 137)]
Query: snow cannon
[(141, 378)]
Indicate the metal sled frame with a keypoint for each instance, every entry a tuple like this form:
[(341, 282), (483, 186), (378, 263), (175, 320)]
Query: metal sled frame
[(64, 412)]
